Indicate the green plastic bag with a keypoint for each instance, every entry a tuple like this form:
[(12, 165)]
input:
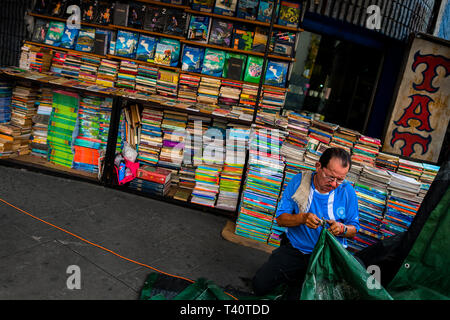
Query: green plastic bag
[(334, 274)]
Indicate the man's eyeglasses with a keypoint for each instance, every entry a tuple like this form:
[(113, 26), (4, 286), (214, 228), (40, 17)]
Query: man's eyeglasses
[(331, 179)]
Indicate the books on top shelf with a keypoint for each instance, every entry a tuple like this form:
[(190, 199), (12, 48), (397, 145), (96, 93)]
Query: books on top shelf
[(105, 12), (155, 19), (89, 11), (265, 10), (203, 5), (226, 8), (259, 39), (247, 9), (40, 30), (136, 15), (289, 14), (276, 73), (365, 150), (69, 38), (121, 13), (176, 22)]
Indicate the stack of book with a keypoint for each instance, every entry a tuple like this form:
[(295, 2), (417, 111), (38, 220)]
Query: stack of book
[(61, 126), (150, 142), (58, 62), (294, 146), (387, 161), (107, 73), (146, 79), (188, 87), (371, 206), (247, 100), (23, 108), (174, 133), (196, 128), (89, 68), (400, 213), (40, 123), (126, 76), (9, 140), (230, 179), (428, 174), (132, 125), (152, 180), (272, 100), (5, 101), (404, 186), (93, 127), (40, 61), (365, 150), (375, 178), (262, 185), (230, 92), (167, 83), (275, 234), (206, 188), (213, 143), (322, 131), (208, 90), (72, 66), (410, 168), (186, 183)]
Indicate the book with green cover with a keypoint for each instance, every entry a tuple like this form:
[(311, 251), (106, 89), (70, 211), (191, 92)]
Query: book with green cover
[(253, 69), (234, 66)]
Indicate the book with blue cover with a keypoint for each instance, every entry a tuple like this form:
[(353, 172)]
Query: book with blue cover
[(146, 48), (247, 9), (265, 10), (85, 40), (199, 27), (54, 33), (225, 7), (213, 62), (126, 43), (176, 48), (192, 59), (163, 53), (276, 73), (221, 33), (69, 38)]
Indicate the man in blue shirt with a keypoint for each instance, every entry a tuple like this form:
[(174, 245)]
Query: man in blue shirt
[(307, 199)]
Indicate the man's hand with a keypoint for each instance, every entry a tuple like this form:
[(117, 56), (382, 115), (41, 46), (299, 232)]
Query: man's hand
[(312, 221), (336, 228)]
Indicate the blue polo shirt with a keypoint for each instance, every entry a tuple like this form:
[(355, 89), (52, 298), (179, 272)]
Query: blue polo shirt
[(340, 204)]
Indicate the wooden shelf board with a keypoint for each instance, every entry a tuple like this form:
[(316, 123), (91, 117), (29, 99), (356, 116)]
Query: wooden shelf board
[(41, 163), (228, 233)]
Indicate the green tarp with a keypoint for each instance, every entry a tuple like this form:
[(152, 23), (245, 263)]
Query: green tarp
[(425, 273)]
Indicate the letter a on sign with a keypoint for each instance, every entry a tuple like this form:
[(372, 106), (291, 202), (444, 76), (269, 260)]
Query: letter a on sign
[(74, 280), (374, 19)]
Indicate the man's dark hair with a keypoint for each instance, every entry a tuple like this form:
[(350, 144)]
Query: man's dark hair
[(335, 153)]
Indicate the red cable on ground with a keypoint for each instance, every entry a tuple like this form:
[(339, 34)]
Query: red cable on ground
[(100, 247)]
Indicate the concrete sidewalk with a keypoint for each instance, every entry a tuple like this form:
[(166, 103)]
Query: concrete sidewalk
[(34, 256)]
